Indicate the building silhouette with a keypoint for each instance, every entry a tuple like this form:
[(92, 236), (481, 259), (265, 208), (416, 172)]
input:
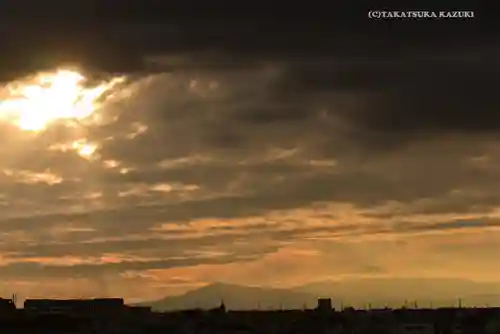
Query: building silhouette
[(324, 305), (112, 315)]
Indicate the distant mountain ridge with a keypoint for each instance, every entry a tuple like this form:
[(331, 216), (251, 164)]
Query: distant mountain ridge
[(235, 297), (377, 292)]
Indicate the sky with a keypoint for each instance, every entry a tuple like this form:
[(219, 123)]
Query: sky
[(272, 154)]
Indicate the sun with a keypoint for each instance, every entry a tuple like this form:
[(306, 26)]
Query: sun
[(34, 103)]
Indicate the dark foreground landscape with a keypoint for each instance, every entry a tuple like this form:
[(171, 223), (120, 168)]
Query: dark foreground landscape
[(111, 315)]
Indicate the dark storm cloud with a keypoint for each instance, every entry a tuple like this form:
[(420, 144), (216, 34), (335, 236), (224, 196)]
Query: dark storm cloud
[(445, 89), (409, 84), (279, 105), (405, 90), (404, 96)]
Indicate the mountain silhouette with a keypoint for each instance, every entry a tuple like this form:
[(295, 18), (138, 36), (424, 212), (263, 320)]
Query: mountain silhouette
[(360, 293), (235, 297)]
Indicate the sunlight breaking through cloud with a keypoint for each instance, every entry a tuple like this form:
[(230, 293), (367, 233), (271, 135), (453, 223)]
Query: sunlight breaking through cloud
[(85, 150), (82, 147), (32, 104)]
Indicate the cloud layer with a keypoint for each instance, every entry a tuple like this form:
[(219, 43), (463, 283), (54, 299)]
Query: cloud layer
[(343, 163)]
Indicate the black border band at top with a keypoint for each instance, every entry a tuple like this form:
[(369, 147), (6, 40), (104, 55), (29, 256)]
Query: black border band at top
[(137, 11)]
